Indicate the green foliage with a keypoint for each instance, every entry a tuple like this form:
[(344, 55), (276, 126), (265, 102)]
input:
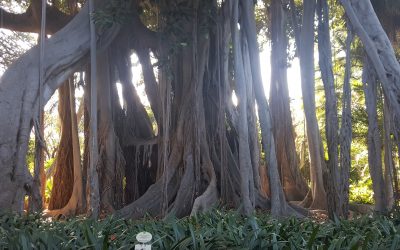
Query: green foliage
[(49, 183), (30, 156), (213, 230), (115, 12), (361, 192), (13, 44)]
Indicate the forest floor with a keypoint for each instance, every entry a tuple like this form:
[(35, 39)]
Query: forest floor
[(213, 230)]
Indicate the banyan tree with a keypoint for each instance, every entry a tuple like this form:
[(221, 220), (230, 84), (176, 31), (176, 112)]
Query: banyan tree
[(194, 148)]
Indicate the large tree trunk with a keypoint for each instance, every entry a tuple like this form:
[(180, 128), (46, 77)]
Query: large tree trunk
[(76, 202), (279, 205), (63, 179), (111, 162), (186, 166), (226, 111), (65, 52), (92, 187), (345, 135), (331, 179), (293, 182), (136, 136), (306, 53), (187, 141), (86, 131), (387, 69), (388, 155), (374, 139), (38, 172), (244, 150), (378, 48)]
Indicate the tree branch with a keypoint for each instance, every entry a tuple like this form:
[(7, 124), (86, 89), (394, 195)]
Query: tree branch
[(26, 22)]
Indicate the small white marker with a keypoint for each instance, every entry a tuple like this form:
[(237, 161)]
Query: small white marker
[(143, 238)]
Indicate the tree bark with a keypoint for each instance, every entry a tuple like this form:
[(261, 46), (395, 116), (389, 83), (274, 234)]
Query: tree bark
[(136, 132), (374, 139), (39, 177), (306, 53), (279, 206), (378, 48), (388, 156), (332, 179), (254, 146), (244, 151), (65, 52), (63, 179), (186, 181), (93, 187), (76, 201), (111, 161), (293, 182), (345, 135), (29, 21), (150, 83)]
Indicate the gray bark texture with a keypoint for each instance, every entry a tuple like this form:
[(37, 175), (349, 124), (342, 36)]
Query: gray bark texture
[(279, 206), (306, 53), (388, 155), (345, 135), (92, 187), (331, 178), (65, 53), (110, 162), (244, 151), (374, 138), (18, 115), (378, 48)]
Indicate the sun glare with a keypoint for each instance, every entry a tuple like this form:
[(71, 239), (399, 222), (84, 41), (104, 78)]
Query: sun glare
[(234, 99), (137, 79), (293, 77)]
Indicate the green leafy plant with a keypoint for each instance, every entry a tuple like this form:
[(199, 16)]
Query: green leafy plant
[(362, 191), (213, 230)]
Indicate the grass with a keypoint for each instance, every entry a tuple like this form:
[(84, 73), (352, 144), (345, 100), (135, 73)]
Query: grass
[(212, 230)]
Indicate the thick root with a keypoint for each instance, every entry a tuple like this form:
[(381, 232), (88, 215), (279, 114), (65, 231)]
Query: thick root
[(205, 201)]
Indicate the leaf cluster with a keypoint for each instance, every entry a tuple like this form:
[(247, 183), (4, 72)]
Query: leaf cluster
[(115, 12)]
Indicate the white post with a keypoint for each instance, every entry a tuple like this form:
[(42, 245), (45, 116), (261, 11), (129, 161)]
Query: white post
[(144, 238)]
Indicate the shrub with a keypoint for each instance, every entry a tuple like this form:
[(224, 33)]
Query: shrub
[(212, 230)]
